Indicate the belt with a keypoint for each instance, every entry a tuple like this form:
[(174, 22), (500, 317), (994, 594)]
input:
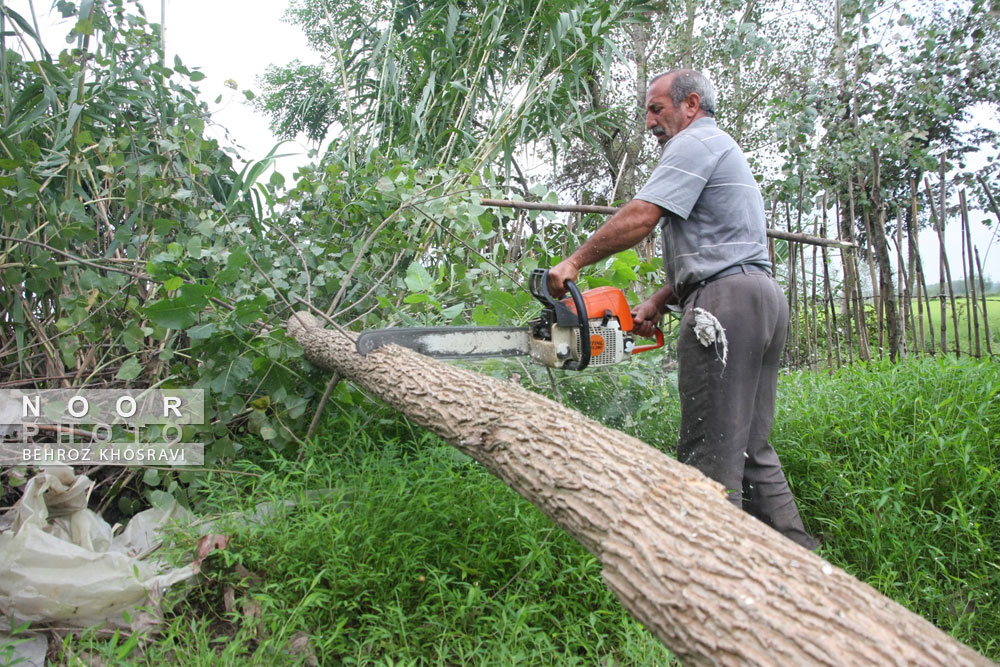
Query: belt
[(688, 290)]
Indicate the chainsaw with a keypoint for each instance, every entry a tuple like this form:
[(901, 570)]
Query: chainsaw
[(593, 328)]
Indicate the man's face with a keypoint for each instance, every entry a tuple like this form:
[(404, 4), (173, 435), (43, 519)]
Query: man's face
[(663, 118)]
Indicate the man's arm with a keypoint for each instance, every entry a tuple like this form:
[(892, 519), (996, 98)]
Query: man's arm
[(631, 224)]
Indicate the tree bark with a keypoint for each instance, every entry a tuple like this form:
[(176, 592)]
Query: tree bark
[(714, 584)]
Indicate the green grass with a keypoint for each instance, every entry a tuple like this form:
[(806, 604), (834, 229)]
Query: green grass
[(897, 470), (399, 550)]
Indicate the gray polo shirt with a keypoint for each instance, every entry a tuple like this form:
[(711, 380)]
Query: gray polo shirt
[(714, 210)]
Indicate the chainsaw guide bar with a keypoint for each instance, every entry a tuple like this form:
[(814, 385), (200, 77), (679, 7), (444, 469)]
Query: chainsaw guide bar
[(451, 342)]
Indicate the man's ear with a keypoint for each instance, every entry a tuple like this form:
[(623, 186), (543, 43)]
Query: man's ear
[(692, 103)]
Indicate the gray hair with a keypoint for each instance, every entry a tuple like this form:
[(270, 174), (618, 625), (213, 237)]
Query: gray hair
[(687, 81)]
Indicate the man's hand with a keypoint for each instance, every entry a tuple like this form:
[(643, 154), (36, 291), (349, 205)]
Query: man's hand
[(559, 274), (646, 316)]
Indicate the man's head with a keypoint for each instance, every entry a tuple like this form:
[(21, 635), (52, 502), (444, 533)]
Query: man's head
[(675, 100)]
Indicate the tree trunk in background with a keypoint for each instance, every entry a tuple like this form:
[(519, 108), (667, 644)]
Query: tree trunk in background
[(852, 281), (713, 583), (691, 13), (881, 245)]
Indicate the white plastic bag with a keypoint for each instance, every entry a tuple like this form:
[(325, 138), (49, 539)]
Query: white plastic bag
[(60, 563)]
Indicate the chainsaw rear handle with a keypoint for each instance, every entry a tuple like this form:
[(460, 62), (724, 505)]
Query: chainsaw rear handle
[(658, 332), (539, 284)]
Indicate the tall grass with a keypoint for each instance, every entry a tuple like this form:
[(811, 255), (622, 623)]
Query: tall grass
[(897, 470)]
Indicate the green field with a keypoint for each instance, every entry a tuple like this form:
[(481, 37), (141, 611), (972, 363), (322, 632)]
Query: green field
[(964, 322)]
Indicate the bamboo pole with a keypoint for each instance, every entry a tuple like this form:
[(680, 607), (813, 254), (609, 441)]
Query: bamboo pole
[(970, 282), (806, 308), (860, 319), (830, 311), (986, 317), (793, 293), (831, 319), (927, 303), (611, 210), (921, 278), (912, 276), (943, 209), (875, 277), (902, 289), (847, 287), (945, 270), (813, 304), (919, 316)]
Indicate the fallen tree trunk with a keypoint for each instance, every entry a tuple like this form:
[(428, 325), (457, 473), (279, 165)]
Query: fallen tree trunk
[(711, 582)]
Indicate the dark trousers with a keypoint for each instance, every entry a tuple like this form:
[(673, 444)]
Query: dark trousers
[(727, 410)]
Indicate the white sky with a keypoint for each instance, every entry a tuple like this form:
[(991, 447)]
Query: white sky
[(238, 39), (225, 39)]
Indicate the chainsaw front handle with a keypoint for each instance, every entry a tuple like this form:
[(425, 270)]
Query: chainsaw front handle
[(658, 333), (538, 283)]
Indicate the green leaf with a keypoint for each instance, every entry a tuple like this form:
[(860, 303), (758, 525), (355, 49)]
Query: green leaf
[(68, 346), (177, 313), (151, 477), (416, 298), (484, 317), (85, 27), (417, 278), (160, 499), (173, 283), (130, 370), (202, 331), (227, 382)]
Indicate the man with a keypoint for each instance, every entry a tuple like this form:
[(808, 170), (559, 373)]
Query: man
[(717, 266)]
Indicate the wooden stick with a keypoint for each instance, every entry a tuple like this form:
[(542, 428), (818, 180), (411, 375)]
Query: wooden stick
[(986, 316), (812, 306), (848, 285), (921, 278), (611, 210), (970, 280), (938, 217), (793, 293), (831, 313), (864, 350)]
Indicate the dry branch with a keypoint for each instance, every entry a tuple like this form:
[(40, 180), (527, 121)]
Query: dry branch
[(714, 584)]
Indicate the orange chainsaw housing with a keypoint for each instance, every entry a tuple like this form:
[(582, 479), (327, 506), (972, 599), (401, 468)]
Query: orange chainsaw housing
[(602, 300)]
